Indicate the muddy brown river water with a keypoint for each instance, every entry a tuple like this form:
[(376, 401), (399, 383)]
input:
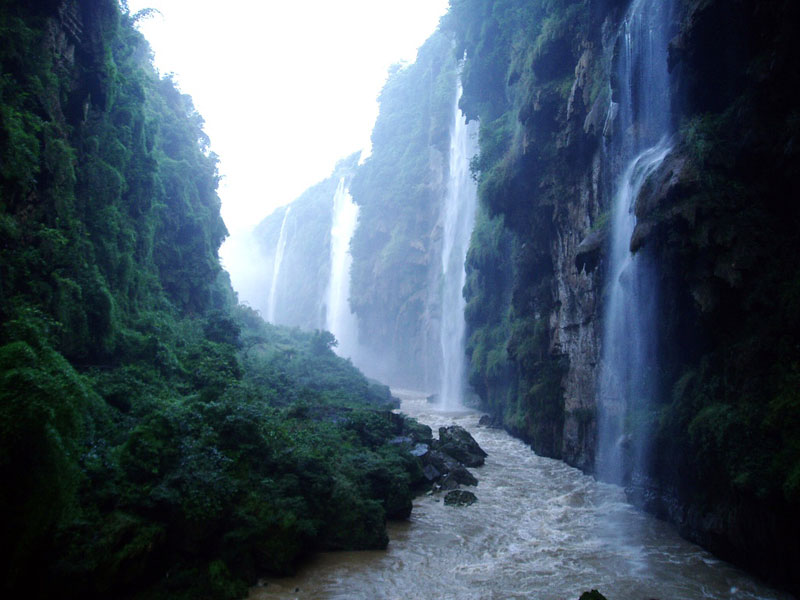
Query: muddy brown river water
[(540, 530)]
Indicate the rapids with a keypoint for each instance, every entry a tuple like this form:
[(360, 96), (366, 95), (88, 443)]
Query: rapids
[(540, 530)]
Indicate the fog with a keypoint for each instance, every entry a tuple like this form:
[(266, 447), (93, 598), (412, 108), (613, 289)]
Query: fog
[(286, 90)]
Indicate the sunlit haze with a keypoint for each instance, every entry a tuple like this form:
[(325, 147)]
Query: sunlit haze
[(286, 88)]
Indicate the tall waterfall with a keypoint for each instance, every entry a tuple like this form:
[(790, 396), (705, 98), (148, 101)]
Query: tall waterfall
[(276, 265), (457, 220), (339, 320), (629, 367)]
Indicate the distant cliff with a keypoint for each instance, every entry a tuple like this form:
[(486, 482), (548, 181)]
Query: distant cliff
[(302, 280), (396, 247)]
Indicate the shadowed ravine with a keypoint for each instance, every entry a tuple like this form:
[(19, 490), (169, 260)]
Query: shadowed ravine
[(540, 529)]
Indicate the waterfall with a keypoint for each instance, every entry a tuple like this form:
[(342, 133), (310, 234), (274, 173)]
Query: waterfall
[(280, 247), (458, 219), (339, 319), (629, 366)]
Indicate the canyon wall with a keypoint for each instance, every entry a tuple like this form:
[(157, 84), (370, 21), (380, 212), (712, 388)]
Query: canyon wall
[(715, 219)]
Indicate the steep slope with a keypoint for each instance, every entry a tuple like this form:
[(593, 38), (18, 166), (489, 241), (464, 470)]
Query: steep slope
[(156, 440)]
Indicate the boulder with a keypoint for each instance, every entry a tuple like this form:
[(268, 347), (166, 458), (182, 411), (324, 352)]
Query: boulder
[(460, 498), (489, 421), (447, 484), (456, 442), (444, 463), (462, 475)]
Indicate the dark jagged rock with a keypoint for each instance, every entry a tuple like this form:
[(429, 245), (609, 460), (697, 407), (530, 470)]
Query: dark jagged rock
[(448, 483), (460, 498), (593, 595), (462, 475), (490, 422), (443, 462), (455, 441)]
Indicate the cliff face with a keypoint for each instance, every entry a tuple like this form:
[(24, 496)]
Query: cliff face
[(541, 171), (711, 219), (394, 276)]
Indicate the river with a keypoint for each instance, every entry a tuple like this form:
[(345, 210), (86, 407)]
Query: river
[(540, 529)]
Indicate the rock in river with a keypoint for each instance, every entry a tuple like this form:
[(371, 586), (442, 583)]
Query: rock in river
[(457, 442), (460, 498)]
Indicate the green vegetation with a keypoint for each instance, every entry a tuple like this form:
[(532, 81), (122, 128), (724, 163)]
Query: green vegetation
[(156, 439)]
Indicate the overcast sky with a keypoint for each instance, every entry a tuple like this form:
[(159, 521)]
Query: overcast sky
[(286, 88)]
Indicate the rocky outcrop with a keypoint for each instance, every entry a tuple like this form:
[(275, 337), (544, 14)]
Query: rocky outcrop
[(445, 461)]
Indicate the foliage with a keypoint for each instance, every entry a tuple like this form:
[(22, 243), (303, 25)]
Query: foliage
[(156, 439)]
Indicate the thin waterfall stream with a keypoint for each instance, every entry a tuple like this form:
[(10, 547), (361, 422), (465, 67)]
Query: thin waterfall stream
[(339, 319), (458, 219), (280, 247), (540, 530)]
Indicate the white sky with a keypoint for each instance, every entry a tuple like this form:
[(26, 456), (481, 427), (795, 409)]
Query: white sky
[(286, 88)]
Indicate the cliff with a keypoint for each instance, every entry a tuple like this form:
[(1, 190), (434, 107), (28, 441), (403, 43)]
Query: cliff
[(396, 247), (715, 219)]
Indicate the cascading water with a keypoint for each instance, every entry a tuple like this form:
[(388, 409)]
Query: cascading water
[(339, 319), (629, 363), (276, 265), (458, 220)]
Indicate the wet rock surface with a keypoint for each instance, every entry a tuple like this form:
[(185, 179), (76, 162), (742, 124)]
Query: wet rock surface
[(457, 442), (460, 498), (445, 461)]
